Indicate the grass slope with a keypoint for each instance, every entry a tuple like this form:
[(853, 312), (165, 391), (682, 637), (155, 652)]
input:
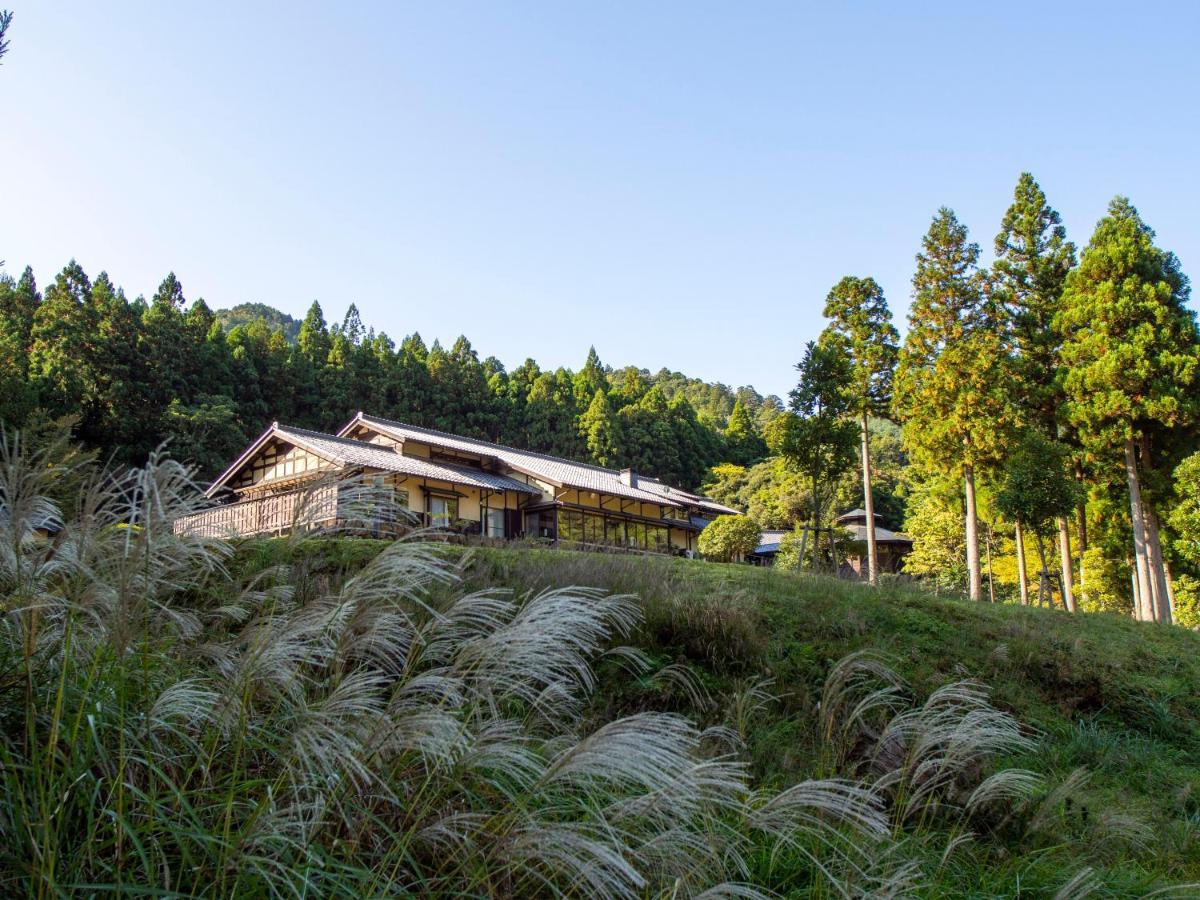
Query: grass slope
[(1116, 704)]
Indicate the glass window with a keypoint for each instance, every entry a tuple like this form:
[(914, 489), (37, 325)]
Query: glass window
[(494, 523), (593, 529), (570, 525), (637, 534), (657, 539), (614, 532), (443, 511)]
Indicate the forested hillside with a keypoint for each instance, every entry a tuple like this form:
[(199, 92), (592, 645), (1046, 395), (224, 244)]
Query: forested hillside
[(135, 373), (1035, 431)]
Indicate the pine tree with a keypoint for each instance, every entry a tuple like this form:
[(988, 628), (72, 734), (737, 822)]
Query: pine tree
[(62, 344), (861, 326), (352, 326), (18, 304), (1132, 354), (817, 440), (1033, 257), (744, 445), (949, 384), (589, 379), (599, 428)]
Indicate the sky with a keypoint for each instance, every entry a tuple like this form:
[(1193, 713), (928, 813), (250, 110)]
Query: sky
[(677, 184)]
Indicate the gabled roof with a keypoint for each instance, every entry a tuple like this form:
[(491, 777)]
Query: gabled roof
[(858, 513), (882, 535), (555, 470), (351, 453), (770, 540)]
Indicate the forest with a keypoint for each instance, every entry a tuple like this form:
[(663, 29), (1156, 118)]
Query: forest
[(1035, 431)]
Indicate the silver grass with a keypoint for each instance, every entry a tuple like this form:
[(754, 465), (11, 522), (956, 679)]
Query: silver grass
[(1012, 787), (1048, 808), (1082, 884), (394, 734)]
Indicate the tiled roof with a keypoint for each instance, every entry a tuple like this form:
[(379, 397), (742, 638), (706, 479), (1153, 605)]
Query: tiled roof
[(882, 535), (550, 468), (360, 453), (769, 541), (372, 456)]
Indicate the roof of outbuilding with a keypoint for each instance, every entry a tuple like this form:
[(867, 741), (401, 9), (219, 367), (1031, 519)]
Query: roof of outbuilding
[(553, 469), (352, 453), (882, 535)]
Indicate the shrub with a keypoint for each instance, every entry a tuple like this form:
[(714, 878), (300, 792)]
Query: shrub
[(729, 538)]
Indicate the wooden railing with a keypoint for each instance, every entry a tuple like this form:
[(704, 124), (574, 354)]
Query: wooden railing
[(276, 513)]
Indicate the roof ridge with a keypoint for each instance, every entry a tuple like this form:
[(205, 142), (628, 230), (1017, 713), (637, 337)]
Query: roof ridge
[(483, 443), (333, 437)]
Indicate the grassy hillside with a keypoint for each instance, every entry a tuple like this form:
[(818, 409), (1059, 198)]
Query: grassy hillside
[(1113, 706), (315, 716)]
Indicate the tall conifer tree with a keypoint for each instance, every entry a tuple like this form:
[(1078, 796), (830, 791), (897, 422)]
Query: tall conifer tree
[(1132, 356), (1033, 257), (861, 326), (949, 378)]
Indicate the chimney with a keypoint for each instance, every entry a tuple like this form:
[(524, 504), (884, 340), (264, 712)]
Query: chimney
[(629, 478)]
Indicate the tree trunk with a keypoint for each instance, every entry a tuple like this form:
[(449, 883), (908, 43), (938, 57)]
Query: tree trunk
[(1068, 574), (1158, 573), (1141, 561), (1154, 554), (816, 526), (869, 505), (803, 546), (1137, 594), (1044, 574), (991, 581), (1170, 588), (1022, 574), (974, 574), (833, 554), (1081, 527)]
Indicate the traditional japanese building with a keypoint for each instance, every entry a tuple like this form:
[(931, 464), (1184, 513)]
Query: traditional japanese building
[(460, 484)]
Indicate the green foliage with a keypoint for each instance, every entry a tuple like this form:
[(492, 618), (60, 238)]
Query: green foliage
[(935, 524), (134, 374), (600, 429), (950, 379), (788, 558), (817, 440), (729, 538), (1107, 586), (744, 444), (861, 326), (889, 463), (1187, 602), (1131, 346), (1185, 518), (1033, 258), (1036, 485)]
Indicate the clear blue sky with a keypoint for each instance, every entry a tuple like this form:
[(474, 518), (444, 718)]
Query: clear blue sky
[(679, 184)]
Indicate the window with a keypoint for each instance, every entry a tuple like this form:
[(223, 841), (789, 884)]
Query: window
[(570, 525), (614, 531), (493, 523), (540, 523), (443, 511), (658, 539)]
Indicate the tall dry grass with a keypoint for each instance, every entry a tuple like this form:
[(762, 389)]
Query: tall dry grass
[(169, 728)]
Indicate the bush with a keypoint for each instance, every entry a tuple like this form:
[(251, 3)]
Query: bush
[(729, 538)]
